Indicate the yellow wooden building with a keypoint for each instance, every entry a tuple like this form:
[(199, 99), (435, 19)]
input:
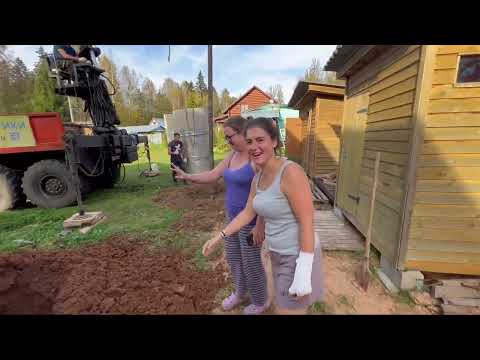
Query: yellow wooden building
[(321, 108), (419, 105)]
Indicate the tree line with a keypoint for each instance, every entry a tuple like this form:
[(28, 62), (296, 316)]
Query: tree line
[(135, 96)]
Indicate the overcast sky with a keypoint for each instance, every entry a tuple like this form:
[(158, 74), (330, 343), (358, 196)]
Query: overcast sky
[(235, 67)]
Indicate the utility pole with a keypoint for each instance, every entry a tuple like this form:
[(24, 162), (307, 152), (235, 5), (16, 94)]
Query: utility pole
[(210, 105)]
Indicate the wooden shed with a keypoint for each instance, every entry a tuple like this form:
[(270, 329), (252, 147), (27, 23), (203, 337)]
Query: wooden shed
[(419, 105), (321, 108)]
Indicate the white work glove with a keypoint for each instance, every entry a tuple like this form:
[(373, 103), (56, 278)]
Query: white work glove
[(302, 280), (82, 59)]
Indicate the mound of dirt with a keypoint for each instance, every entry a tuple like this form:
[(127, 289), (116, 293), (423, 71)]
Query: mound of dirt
[(119, 276), (203, 206)]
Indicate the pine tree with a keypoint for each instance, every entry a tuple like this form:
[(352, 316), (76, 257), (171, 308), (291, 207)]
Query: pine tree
[(200, 86)]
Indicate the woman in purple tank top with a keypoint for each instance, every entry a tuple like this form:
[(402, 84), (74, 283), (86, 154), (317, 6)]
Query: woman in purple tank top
[(243, 257)]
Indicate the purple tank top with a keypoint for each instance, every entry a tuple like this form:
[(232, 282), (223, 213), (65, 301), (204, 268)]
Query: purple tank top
[(237, 183)]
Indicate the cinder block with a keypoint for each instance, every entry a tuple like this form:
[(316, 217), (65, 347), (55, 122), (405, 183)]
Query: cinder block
[(405, 280)]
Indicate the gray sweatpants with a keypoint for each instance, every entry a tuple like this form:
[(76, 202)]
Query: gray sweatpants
[(246, 266)]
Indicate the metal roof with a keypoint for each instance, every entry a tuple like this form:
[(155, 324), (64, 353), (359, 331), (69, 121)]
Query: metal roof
[(340, 56), (302, 88), (141, 129)]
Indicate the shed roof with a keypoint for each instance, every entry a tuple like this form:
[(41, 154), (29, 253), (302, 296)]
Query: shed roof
[(305, 89), (141, 129), (245, 95), (347, 59)]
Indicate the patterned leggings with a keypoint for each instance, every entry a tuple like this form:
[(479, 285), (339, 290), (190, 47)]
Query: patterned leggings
[(246, 266)]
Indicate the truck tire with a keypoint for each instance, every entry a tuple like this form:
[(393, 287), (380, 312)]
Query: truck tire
[(48, 184), (11, 194)]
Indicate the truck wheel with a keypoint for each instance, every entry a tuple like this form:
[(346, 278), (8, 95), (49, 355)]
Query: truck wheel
[(11, 194), (48, 184)]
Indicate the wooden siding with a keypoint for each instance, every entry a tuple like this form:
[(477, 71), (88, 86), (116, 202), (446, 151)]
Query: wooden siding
[(390, 80), (327, 133), (444, 229), (293, 146), (254, 100)]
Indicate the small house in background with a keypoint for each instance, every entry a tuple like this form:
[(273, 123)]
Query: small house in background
[(321, 111), (418, 105), (155, 133), (252, 99), (277, 111)]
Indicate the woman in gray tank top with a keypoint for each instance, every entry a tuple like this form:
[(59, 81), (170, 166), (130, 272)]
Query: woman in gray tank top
[(281, 194)]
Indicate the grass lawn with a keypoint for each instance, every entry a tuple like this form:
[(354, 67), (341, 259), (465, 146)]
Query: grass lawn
[(128, 207)]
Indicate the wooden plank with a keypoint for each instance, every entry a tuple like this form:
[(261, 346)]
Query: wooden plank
[(395, 193), (447, 198), (443, 267), (446, 61), (453, 120), (451, 147), (445, 223), (399, 159), (455, 49), (463, 302), (459, 310), (450, 160), (422, 244), (406, 73), (391, 135), (449, 92), (394, 124), (452, 133), (386, 168), (460, 281), (441, 291), (454, 186), (444, 257), (454, 105), (394, 113), (383, 198), (448, 173), (402, 87), (444, 76), (397, 66), (447, 235), (387, 179), (458, 211), (386, 225), (395, 147), (398, 100)]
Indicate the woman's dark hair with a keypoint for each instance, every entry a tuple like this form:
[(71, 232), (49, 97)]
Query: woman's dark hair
[(268, 125), (237, 123)]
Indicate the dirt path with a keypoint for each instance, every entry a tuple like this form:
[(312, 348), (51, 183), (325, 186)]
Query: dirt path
[(124, 275)]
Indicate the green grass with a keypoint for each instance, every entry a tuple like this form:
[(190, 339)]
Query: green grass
[(129, 209), (319, 308)]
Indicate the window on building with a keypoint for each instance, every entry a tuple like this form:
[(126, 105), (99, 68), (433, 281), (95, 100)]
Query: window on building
[(468, 69), (243, 107)]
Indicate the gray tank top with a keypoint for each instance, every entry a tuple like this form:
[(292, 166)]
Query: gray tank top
[(281, 225)]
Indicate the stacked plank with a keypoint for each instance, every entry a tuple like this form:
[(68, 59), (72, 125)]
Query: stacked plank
[(458, 296), (327, 184), (320, 200), (336, 234)]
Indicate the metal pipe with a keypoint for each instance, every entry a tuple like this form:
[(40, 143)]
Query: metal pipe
[(210, 105)]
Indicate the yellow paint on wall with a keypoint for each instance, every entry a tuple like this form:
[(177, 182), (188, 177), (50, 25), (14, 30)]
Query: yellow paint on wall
[(15, 131)]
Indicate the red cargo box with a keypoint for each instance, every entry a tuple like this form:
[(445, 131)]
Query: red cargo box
[(33, 132)]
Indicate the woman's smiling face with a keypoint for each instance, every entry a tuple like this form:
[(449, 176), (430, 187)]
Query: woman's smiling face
[(260, 146)]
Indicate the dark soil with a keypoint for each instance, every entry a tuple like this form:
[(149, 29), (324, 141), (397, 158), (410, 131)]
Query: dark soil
[(203, 206), (120, 276)]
